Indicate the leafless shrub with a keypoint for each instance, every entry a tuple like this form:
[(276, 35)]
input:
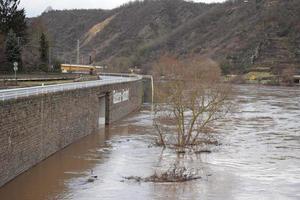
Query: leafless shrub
[(190, 96)]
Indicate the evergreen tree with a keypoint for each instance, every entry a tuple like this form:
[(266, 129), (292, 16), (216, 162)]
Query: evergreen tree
[(12, 51), (44, 52), (13, 27), (18, 25), (12, 19), (2, 52)]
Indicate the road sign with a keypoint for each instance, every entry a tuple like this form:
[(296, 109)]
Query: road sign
[(15, 66), (15, 69)]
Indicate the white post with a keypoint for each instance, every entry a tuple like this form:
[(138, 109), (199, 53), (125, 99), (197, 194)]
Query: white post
[(152, 85)]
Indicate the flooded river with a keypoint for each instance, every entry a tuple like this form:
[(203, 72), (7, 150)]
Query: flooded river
[(259, 158)]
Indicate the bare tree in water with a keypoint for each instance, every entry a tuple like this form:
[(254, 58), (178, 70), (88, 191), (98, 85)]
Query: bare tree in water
[(190, 95)]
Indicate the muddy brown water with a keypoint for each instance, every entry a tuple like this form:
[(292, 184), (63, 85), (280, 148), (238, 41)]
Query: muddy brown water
[(259, 158)]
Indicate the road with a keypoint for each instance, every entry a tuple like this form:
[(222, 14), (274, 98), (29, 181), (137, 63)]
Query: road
[(25, 92)]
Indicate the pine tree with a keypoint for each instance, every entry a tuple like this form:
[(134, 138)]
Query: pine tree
[(12, 18), (13, 28), (12, 51), (44, 52), (2, 52), (18, 25)]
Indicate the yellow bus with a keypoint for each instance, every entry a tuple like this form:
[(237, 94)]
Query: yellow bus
[(80, 69)]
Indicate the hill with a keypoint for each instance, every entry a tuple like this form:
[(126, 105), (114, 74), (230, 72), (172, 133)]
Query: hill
[(238, 34)]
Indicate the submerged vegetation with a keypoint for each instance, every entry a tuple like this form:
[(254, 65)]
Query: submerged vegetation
[(173, 174)]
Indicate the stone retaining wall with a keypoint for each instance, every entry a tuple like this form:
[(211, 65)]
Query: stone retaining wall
[(33, 128)]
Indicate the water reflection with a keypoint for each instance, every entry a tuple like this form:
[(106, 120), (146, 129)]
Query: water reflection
[(259, 158)]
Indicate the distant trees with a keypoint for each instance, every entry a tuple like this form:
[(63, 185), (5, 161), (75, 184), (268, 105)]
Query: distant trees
[(31, 51), (226, 67), (44, 62), (121, 64), (2, 52), (44, 52), (12, 51), (57, 65)]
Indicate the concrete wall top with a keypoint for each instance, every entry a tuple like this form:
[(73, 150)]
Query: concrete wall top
[(26, 92)]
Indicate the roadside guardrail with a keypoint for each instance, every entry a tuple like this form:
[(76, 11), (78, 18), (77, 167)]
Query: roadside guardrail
[(7, 94)]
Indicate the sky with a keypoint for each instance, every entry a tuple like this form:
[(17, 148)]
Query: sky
[(36, 7)]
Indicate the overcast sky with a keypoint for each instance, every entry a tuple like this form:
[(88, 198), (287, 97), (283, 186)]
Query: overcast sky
[(36, 7)]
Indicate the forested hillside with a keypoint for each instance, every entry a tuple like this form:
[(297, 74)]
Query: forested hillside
[(239, 34)]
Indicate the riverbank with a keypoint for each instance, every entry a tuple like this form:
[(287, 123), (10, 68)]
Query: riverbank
[(263, 78)]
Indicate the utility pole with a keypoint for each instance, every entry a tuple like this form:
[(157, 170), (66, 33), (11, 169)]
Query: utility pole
[(78, 52)]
